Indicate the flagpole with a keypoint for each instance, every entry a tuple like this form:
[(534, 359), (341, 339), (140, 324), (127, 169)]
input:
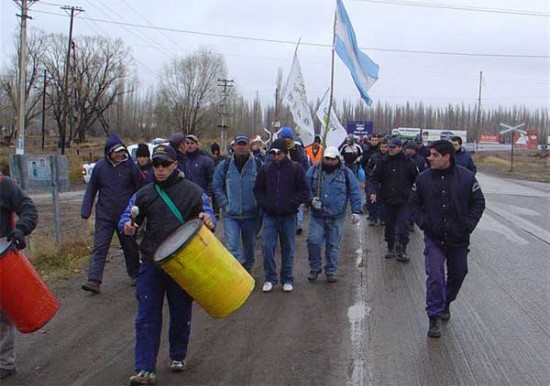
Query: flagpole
[(327, 119)]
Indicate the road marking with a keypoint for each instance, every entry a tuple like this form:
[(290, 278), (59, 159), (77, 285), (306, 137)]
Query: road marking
[(357, 315)]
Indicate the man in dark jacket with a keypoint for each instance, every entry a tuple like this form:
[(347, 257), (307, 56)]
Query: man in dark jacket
[(115, 178), (143, 161), (200, 167), (395, 174), (280, 188), (462, 157), (13, 200), (446, 203), (153, 283), (296, 153), (417, 159)]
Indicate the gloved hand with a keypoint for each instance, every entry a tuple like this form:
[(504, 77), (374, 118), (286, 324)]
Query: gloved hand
[(355, 218), (18, 238), (316, 203)]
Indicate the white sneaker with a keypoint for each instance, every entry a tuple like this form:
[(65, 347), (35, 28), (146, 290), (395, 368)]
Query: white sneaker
[(268, 286), (177, 366), (287, 287)]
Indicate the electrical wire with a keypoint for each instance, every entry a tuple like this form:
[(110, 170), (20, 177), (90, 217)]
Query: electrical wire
[(293, 43)]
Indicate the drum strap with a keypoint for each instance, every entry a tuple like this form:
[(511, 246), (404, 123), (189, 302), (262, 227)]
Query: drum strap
[(168, 201)]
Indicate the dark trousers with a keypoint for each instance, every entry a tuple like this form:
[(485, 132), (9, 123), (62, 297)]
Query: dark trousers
[(397, 223), (152, 285), (438, 290), (103, 234)]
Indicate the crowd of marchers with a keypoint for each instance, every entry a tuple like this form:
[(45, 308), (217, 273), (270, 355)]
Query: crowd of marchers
[(260, 192)]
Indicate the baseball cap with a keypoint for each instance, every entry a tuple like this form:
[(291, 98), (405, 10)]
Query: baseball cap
[(193, 138), (278, 145), (176, 139), (331, 152), (241, 138), (395, 142), (164, 152)]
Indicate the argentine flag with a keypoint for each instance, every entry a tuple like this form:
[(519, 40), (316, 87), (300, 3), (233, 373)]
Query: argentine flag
[(363, 70)]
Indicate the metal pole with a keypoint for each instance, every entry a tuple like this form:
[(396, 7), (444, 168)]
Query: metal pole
[(55, 197), (20, 145), (512, 154), (44, 110)]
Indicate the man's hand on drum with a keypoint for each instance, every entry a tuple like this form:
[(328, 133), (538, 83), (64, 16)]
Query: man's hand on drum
[(206, 219), (130, 228)]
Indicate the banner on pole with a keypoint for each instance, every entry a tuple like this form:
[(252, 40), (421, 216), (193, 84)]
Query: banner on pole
[(336, 134), (296, 98)]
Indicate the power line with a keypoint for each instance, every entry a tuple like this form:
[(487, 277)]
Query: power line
[(293, 43), (460, 8)]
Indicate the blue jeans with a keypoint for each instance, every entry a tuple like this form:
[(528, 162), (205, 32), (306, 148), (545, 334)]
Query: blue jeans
[(300, 216), (237, 231), (328, 231), (103, 234), (152, 284), (438, 290), (283, 227)]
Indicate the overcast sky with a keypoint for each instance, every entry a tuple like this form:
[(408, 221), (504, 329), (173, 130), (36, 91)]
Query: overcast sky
[(512, 49)]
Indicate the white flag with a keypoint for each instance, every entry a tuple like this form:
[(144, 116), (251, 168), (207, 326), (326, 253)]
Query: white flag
[(337, 133), (296, 99)]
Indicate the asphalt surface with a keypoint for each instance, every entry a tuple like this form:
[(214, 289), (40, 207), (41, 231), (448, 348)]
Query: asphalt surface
[(367, 329)]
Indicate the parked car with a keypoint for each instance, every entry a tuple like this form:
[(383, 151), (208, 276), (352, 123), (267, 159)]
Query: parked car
[(446, 135), (87, 170)]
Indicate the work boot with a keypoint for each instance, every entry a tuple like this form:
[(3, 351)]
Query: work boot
[(434, 331), (402, 253), (92, 286), (313, 274), (446, 315), (390, 254)]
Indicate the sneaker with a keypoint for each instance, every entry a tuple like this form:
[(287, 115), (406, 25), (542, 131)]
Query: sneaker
[(287, 287), (268, 286), (331, 278), (313, 274), (446, 315), (143, 378), (177, 366), (4, 373), (299, 230), (92, 286), (433, 330)]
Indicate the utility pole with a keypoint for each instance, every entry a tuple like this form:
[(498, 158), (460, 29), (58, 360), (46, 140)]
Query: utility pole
[(44, 109), (478, 117), (63, 132), (22, 101), (226, 84)]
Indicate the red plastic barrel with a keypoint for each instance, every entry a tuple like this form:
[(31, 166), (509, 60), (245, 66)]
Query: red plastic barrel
[(24, 297)]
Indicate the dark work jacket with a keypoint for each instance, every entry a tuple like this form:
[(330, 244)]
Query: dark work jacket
[(13, 199), (419, 161), (424, 151), (200, 170), (395, 175), (115, 184), (447, 205), (463, 158), (281, 187), (161, 222)]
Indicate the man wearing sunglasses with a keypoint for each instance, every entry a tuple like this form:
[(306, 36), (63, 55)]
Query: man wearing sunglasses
[(153, 283), (280, 188), (115, 179)]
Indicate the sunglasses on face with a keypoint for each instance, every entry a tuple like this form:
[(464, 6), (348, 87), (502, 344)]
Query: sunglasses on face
[(160, 162), (189, 143), (275, 151)]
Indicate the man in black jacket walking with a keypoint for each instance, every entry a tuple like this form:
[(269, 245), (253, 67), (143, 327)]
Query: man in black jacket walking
[(447, 203), (280, 188), (395, 174)]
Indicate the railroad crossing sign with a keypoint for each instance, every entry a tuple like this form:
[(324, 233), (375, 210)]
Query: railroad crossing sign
[(512, 129)]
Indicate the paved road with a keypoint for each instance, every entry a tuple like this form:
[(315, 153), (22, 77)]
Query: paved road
[(367, 329)]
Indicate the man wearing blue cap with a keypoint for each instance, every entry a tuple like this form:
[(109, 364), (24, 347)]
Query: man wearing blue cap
[(232, 187), (395, 174)]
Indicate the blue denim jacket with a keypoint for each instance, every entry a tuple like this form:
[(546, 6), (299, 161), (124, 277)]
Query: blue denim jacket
[(334, 192), (234, 191)]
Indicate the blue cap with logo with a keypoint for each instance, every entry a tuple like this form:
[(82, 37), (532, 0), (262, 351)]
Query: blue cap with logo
[(395, 142), (165, 152)]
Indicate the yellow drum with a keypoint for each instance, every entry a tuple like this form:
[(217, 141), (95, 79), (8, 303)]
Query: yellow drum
[(208, 272)]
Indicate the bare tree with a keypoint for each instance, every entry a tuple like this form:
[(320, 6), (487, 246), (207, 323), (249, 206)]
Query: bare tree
[(189, 93), (99, 73)]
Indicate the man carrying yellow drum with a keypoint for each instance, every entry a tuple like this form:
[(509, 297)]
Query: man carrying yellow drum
[(164, 205)]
